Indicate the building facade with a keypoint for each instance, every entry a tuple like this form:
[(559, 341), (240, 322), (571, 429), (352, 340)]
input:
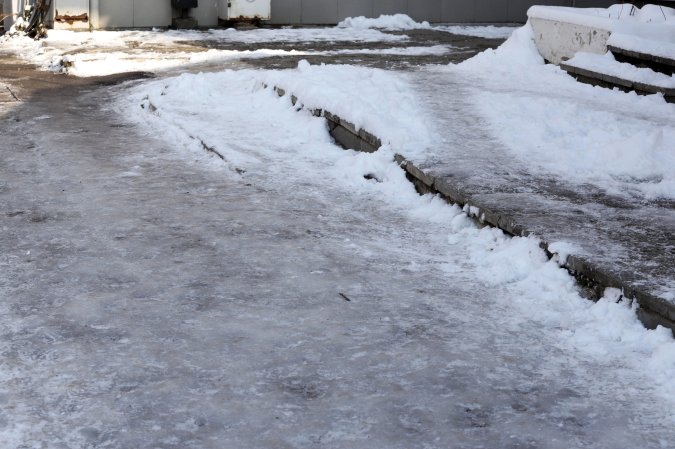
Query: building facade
[(95, 14)]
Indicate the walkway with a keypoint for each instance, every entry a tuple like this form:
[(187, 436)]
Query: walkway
[(153, 299)]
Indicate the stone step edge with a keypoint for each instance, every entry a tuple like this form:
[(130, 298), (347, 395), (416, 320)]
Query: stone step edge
[(645, 58), (594, 280), (591, 76)]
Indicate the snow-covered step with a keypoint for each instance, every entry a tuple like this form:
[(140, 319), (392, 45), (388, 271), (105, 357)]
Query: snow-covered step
[(606, 71), (656, 54)]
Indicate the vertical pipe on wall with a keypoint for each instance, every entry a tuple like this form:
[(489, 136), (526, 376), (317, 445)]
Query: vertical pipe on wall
[(94, 14)]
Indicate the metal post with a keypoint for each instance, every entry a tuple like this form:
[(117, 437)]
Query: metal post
[(94, 15)]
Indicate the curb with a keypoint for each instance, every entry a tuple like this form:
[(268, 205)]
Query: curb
[(653, 311)]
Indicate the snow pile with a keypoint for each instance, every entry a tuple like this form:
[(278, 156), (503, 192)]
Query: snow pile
[(638, 44), (257, 131), (487, 32), (620, 142), (378, 101), (519, 50), (580, 143), (385, 22)]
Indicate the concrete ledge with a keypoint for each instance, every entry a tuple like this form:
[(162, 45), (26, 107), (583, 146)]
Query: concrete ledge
[(604, 80), (656, 63), (558, 41), (594, 280)]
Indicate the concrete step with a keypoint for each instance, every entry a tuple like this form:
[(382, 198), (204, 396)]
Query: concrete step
[(640, 52), (606, 71)]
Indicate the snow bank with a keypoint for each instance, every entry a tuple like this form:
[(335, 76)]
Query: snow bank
[(609, 66), (643, 45), (517, 52), (620, 142), (378, 101), (386, 22)]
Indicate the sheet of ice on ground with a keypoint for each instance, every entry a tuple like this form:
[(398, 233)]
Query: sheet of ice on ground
[(534, 288), (620, 142)]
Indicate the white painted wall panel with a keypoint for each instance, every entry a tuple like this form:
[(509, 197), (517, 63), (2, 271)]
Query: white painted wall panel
[(249, 9), (116, 13), (151, 13)]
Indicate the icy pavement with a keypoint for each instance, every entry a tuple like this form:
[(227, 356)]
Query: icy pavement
[(154, 296)]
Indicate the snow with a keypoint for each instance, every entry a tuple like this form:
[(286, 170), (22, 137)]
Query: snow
[(638, 44), (518, 53), (396, 22), (620, 142), (484, 31), (378, 101), (402, 22), (607, 65), (534, 287)]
